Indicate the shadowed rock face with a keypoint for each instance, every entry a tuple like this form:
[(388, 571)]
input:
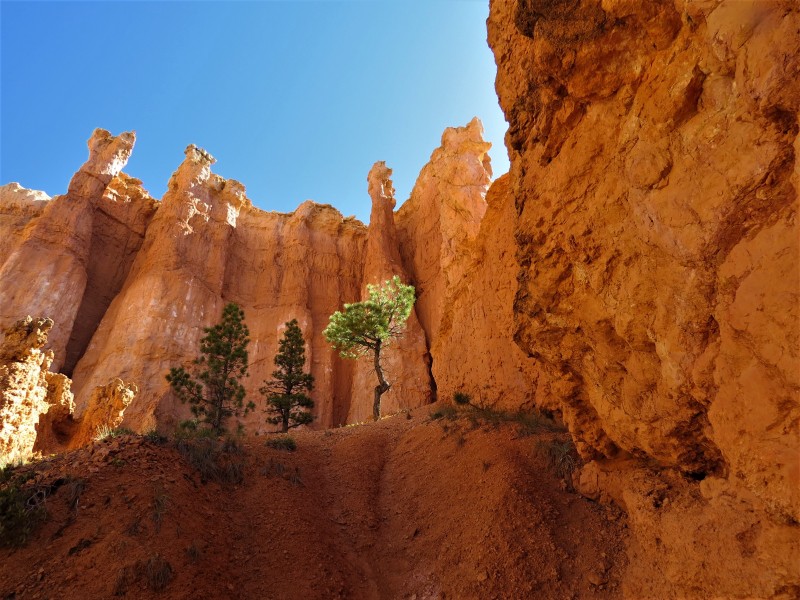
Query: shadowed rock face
[(653, 148)]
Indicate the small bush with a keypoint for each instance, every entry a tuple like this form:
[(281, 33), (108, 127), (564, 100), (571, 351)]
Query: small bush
[(75, 488), (462, 398), (20, 514), (215, 460), (158, 573), (193, 553), (160, 502), (154, 437), (446, 412), (283, 442), (561, 455)]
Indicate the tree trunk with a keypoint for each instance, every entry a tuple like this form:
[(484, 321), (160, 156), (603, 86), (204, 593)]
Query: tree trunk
[(382, 387), (286, 422)]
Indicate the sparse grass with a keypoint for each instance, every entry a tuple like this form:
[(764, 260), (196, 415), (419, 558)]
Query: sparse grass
[(126, 577), (160, 503), (135, 528), (462, 398), (158, 573), (561, 455), (275, 468), (154, 437), (75, 487), (104, 432), (215, 460), (445, 412), (20, 513), (283, 442), (193, 553)]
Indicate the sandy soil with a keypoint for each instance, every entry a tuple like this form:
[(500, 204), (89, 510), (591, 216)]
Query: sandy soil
[(408, 508)]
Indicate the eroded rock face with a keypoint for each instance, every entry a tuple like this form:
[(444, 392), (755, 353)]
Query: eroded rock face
[(405, 361), (106, 409), (457, 243), (143, 278), (653, 149), (474, 350), (18, 206), (74, 256), (36, 405), (24, 386)]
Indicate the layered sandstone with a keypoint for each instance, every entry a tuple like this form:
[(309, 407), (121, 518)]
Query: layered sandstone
[(74, 256), (653, 164), (142, 278)]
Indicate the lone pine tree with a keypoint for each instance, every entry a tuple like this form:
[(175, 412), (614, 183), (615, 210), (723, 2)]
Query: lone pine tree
[(214, 387), (286, 400), (366, 328)]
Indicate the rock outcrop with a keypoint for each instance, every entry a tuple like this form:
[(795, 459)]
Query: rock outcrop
[(75, 255), (457, 243), (18, 206), (405, 361), (654, 170), (27, 388), (37, 406)]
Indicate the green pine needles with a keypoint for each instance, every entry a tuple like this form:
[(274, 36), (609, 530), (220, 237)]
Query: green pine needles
[(286, 401), (214, 388), (366, 328)]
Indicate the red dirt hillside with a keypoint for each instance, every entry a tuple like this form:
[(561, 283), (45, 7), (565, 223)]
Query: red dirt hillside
[(458, 507)]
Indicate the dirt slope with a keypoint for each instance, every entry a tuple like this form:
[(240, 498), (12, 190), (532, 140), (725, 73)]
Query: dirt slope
[(406, 508)]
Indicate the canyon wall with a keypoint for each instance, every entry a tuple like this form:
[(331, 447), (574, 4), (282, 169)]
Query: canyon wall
[(457, 242), (654, 172), (130, 282)]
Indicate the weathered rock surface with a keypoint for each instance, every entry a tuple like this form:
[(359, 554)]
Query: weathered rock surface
[(457, 243), (405, 361), (18, 206), (36, 405), (74, 256), (653, 163), (27, 388), (131, 282), (474, 351), (441, 219)]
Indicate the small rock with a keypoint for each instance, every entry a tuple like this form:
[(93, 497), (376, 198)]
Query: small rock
[(597, 578)]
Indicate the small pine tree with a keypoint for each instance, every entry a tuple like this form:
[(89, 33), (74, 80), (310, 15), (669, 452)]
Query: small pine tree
[(214, 389), (366, 328), (286, 401)]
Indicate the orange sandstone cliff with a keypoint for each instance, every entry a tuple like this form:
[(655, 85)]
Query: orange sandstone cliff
[(654, 171), (130, 282)]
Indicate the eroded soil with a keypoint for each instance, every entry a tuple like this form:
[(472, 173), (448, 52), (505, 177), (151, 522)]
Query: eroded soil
[(405, 508)]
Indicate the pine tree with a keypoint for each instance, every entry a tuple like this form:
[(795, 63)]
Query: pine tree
[(366, 328), (284, 392), (214, 387)]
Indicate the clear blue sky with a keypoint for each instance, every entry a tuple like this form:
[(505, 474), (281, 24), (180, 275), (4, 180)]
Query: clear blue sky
[(295, 99)]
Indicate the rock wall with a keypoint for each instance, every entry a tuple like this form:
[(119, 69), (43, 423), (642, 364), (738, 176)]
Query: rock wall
[(131, 281), (457, 244), (653, 165)]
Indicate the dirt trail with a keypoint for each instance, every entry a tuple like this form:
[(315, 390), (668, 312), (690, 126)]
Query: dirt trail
[(405, 508)]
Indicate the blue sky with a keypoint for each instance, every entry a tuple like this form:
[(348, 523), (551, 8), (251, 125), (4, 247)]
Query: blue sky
[(295, 99)]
